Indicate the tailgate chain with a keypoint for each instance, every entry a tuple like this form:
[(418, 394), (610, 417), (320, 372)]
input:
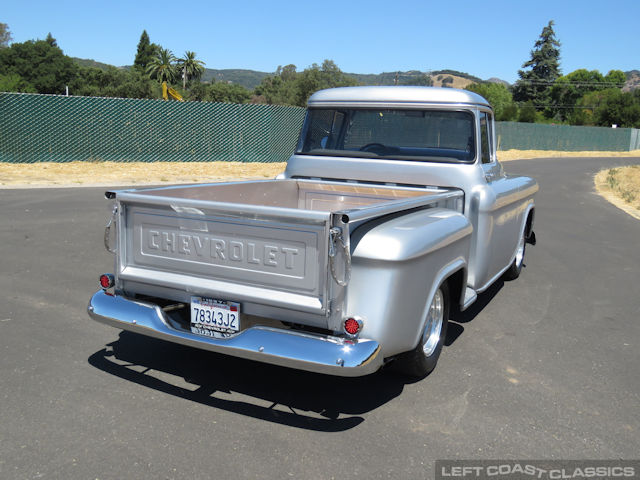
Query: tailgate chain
[(336, 235), (107, 230)]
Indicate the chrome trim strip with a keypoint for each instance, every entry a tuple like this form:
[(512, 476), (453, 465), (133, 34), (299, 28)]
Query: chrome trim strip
[(387, 208), (226, 209), (225, 289), (300, 350)]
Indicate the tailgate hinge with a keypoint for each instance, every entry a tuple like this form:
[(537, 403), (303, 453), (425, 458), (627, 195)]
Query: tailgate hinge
[(336, 237), (107, 230)]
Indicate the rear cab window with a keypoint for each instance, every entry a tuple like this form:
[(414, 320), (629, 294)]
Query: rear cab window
[(405, 134)]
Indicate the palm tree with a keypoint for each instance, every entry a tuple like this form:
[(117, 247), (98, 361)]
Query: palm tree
[(163, 66), (190, 67)]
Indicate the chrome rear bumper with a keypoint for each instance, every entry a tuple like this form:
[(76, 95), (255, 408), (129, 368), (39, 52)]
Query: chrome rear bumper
[(288, 348)]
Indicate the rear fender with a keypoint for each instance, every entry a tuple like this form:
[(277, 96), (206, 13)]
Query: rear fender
[(397, 266)]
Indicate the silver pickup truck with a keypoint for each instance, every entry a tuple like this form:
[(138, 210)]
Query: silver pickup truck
[(392, 212)]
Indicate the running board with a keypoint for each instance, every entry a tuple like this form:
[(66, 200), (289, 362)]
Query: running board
[(469, 297)]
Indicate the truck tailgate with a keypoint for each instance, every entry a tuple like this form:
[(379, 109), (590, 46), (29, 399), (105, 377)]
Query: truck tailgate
[(211, 250)]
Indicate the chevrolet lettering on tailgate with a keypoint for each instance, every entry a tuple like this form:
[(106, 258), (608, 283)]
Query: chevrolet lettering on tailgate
[(218, 249)]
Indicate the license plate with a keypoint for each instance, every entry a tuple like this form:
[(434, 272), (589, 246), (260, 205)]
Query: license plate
[(214, 318)]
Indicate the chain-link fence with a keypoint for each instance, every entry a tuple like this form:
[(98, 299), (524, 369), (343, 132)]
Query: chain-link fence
[(50, 128), (39, 128), (531, 136)]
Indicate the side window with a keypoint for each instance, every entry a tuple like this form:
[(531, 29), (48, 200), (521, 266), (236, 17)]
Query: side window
[(485, 137)]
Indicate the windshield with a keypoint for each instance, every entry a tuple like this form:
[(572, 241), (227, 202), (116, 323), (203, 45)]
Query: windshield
[(431, 135)]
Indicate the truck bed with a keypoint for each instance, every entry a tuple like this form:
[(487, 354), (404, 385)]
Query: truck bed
[(265, 244)]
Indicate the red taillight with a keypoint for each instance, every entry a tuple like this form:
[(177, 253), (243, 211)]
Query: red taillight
[(352, 326), (106, 280)]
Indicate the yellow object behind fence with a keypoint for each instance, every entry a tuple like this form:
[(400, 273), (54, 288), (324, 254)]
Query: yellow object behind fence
[(170, 91)]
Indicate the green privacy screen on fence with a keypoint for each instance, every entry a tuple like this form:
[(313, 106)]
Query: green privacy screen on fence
[(50, 128), (531, 136)]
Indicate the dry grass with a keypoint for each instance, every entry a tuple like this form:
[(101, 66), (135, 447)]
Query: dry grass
[(139, 173), (621, 186), (458, 82), (134, 173)]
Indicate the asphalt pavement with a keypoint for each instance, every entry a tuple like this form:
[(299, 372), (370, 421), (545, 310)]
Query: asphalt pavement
[(543, 367)]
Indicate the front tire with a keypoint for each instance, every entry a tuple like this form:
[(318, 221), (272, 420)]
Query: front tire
[(421, 361)]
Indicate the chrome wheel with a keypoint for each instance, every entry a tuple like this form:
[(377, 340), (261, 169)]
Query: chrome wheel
[(520, 252), (514, 269), (433, 327), (423, 358)]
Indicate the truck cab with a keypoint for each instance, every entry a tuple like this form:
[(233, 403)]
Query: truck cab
[(429, 137)]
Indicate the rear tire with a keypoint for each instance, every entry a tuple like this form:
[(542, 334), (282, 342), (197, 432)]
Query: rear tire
[(421, 361)]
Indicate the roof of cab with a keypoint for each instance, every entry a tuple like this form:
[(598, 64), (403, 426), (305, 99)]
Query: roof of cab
[(396, 95)]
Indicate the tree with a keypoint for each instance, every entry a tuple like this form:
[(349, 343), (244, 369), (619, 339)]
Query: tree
[(288, 87), (618, 108), (162, 67), (15, 83), (569, 89), (281, 88), (446, 81), (5, 35), (190, 67), (50, 40), (219, 92), (318, 77), (527, 113), (39, 64), (544, 68), (145, 53), (288, 72), (616, 78), (113, 82), (500, 98)]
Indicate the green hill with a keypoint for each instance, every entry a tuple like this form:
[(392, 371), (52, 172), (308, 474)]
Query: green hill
[(247, 78), (250, 79), (84, 62)]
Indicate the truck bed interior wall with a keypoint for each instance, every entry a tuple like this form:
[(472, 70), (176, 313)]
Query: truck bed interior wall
[(305, 195)]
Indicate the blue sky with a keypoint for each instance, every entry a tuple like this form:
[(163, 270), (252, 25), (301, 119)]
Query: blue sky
[(486, 39)]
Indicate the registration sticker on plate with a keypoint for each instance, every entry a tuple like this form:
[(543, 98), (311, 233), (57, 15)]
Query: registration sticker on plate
[(214, 318)]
